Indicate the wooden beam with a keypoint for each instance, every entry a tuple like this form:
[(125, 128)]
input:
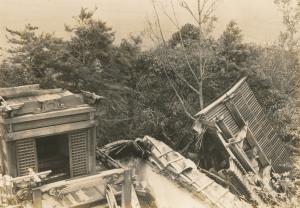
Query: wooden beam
[(51, 130), (50, 122), (36, 177), (234, 152), (126, 189), (37, 198), (200, 123), (262, 156), (240, 137), (35, 92), (52, 114), (235, 114), (224, 129), (82, 180), (11, 159), (111, 198), (134, 198), (92, 150), (15, 91)]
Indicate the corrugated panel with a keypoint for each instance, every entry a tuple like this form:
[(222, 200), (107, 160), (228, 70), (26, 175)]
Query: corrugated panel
[(219, 111), (266, 137), (216, 112), (246, 103), (26, 155), (79, 153)]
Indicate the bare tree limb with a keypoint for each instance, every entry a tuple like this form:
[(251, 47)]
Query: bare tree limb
[(186, 6), (182, 44), (164, 68), (166, 57)]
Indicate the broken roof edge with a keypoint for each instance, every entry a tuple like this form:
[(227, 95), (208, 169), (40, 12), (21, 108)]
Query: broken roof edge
[(223, 97)]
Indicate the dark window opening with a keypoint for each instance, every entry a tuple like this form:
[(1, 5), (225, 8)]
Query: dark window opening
[(53, 154)]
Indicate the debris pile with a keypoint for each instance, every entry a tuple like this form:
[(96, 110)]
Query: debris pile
[(7, 196), (174, 166)]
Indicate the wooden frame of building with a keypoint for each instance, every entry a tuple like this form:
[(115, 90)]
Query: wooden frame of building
[(37, 125)]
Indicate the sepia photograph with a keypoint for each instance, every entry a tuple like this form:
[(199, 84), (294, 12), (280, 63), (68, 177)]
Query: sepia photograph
[(149, 103)]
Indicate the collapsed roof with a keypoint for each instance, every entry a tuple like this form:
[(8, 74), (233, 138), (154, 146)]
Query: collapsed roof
[(238, 109)]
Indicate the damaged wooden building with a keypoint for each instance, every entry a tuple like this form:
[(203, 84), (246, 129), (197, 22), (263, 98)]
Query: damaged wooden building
[(238, 139), (45, 129), (48, 138)]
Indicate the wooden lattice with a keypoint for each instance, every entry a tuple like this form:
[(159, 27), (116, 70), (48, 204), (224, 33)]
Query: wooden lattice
[(26, 156), (79, 153)]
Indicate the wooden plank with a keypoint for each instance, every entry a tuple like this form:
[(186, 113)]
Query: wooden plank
[(82, 195), (134, 199), (36, 92), (209, 182), (28, 177), (51, 130), (37, 198), (92, 150), (71, 199), (50, 122), (14, 91), (41, 105), (11, 159), (53, 114), (110, 197), (263, 158), (235, 114), (99, 190), (126, 189), (225, 130), (82, 180)]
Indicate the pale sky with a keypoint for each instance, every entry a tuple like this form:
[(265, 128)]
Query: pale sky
[(259, 19)]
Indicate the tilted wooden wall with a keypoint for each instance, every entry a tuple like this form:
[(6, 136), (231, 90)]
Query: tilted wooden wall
[(243, 100)]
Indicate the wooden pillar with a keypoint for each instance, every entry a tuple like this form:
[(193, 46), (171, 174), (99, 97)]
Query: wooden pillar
[(11, 158), (126, 189), (92, 150), (37, 198), (235, 114), (225, 130)]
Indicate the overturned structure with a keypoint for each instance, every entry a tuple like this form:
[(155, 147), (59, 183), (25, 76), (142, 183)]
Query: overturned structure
[(237, 119), (237, 141)]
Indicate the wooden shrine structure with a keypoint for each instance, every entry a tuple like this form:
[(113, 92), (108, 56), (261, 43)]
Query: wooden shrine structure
[(46, 129)]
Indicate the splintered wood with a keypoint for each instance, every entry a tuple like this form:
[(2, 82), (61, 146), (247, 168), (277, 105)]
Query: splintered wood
[(7, 196)]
